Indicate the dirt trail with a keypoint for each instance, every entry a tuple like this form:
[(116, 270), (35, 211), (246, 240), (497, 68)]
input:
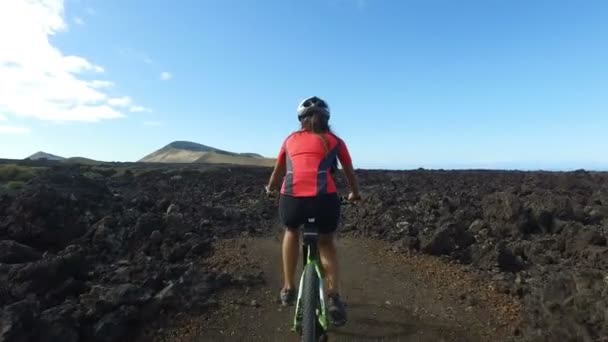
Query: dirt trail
[(390, 297)]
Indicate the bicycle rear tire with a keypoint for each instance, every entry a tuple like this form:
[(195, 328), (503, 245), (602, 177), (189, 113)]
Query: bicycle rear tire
[(310, 303)]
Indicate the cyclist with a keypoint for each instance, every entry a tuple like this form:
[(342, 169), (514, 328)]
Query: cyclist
[(306, 161)]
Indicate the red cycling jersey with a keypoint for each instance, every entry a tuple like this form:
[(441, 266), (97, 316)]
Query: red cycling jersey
[(309, 161)]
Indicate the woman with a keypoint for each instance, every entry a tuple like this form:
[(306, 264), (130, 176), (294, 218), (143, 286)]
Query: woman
[(309, 156)]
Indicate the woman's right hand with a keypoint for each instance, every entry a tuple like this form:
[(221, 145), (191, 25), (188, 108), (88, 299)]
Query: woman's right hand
[(352, 197)]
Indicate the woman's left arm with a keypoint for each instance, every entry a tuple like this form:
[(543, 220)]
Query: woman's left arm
[(277, 176), (279, 170)]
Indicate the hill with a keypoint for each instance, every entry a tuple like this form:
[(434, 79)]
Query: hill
[(190, 152), (43, 155)]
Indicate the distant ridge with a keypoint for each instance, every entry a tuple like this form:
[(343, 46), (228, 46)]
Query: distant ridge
[(82, 160)]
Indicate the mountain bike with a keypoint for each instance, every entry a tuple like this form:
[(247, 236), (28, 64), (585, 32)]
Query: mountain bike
[(310, 317)]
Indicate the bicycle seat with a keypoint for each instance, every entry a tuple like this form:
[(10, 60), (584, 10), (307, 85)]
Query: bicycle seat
[(310, 231)]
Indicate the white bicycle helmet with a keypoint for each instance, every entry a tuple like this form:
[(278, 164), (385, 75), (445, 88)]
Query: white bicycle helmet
[(312, 105)]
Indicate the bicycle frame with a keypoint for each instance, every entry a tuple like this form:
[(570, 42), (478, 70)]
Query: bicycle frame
[(310, 255)]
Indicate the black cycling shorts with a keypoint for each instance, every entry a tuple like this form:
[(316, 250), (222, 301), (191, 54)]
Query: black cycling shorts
[(295, 211)]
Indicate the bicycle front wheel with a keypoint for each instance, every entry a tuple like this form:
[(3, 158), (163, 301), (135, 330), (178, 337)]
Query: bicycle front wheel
[(310, 303)]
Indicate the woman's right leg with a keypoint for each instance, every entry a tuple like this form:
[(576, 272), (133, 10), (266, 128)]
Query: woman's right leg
[(329, 211), (329, 259)]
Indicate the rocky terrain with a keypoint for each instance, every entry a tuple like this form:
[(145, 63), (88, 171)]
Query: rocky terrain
[(95, 253), (541, 236)]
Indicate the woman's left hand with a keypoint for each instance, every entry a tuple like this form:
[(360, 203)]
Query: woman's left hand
[(270, 192)]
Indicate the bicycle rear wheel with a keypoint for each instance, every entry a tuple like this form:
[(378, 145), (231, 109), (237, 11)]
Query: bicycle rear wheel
[(310, 303)]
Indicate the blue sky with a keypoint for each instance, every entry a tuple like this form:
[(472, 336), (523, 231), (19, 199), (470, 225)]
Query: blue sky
[(412, 83)]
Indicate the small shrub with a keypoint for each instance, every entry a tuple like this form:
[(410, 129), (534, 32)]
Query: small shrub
[(93, 175), (105, 171), (15, 185), (13, 172), (122, 173)]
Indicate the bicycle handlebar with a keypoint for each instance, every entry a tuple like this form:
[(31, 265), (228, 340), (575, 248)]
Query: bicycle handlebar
[(344, 201)]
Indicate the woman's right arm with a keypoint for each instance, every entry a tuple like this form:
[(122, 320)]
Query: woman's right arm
[(351, 178), (349, 171)]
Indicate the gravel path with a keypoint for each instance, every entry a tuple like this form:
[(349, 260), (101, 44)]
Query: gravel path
[(391, 297)]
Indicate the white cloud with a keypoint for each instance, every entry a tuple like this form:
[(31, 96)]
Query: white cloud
[(2, 117), (101, 84), (37, 80), (4, 129), (165, 76), (120, 101), (79, 21), (138, 109), (152, 123), (127, 102)]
